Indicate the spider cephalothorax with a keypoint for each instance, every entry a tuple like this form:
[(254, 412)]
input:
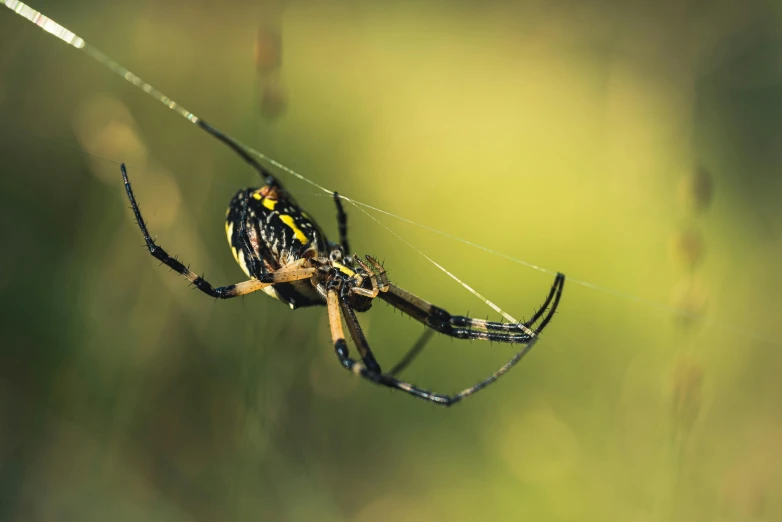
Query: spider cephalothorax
[(286, 255)]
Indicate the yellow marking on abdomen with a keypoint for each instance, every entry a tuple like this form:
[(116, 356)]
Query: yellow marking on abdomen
[(229, 229), (240, 259), (267, 202), (345, 270), (297, 233)]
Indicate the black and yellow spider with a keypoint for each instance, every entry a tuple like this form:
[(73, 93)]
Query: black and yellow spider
[(286, 254)]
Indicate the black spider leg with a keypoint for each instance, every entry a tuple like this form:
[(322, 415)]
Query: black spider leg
[(370, 363), (463, 327), (267, 176), (370, 369), (342, 221), (419, 346), (222, 292), (341, 349), (412, 353)]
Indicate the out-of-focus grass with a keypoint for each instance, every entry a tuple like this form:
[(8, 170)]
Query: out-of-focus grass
[(568, 136)]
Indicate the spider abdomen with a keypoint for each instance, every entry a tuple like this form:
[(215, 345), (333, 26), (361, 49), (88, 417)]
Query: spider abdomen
[(267, 231), (266, 224)]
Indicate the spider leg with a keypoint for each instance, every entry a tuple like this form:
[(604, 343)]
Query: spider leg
[(338, 334), (380, 273), (370, 363), (372, 280), (377, 277), (463, 327), (342, 221), (411, 354), (428, 333), (223, 292), (267, 176)]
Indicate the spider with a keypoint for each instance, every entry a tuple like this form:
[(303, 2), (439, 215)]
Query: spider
[(286, 255)]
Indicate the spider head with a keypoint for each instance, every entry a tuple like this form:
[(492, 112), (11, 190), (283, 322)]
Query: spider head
[(358, 291), (355, 283)]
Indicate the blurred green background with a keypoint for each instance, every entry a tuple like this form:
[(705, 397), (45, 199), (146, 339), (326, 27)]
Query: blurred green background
[(635, 146)]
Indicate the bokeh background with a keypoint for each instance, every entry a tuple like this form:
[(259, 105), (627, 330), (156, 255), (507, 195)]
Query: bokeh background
[(635, 146)]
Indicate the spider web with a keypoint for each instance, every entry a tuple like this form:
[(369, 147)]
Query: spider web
[(73, 40)]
